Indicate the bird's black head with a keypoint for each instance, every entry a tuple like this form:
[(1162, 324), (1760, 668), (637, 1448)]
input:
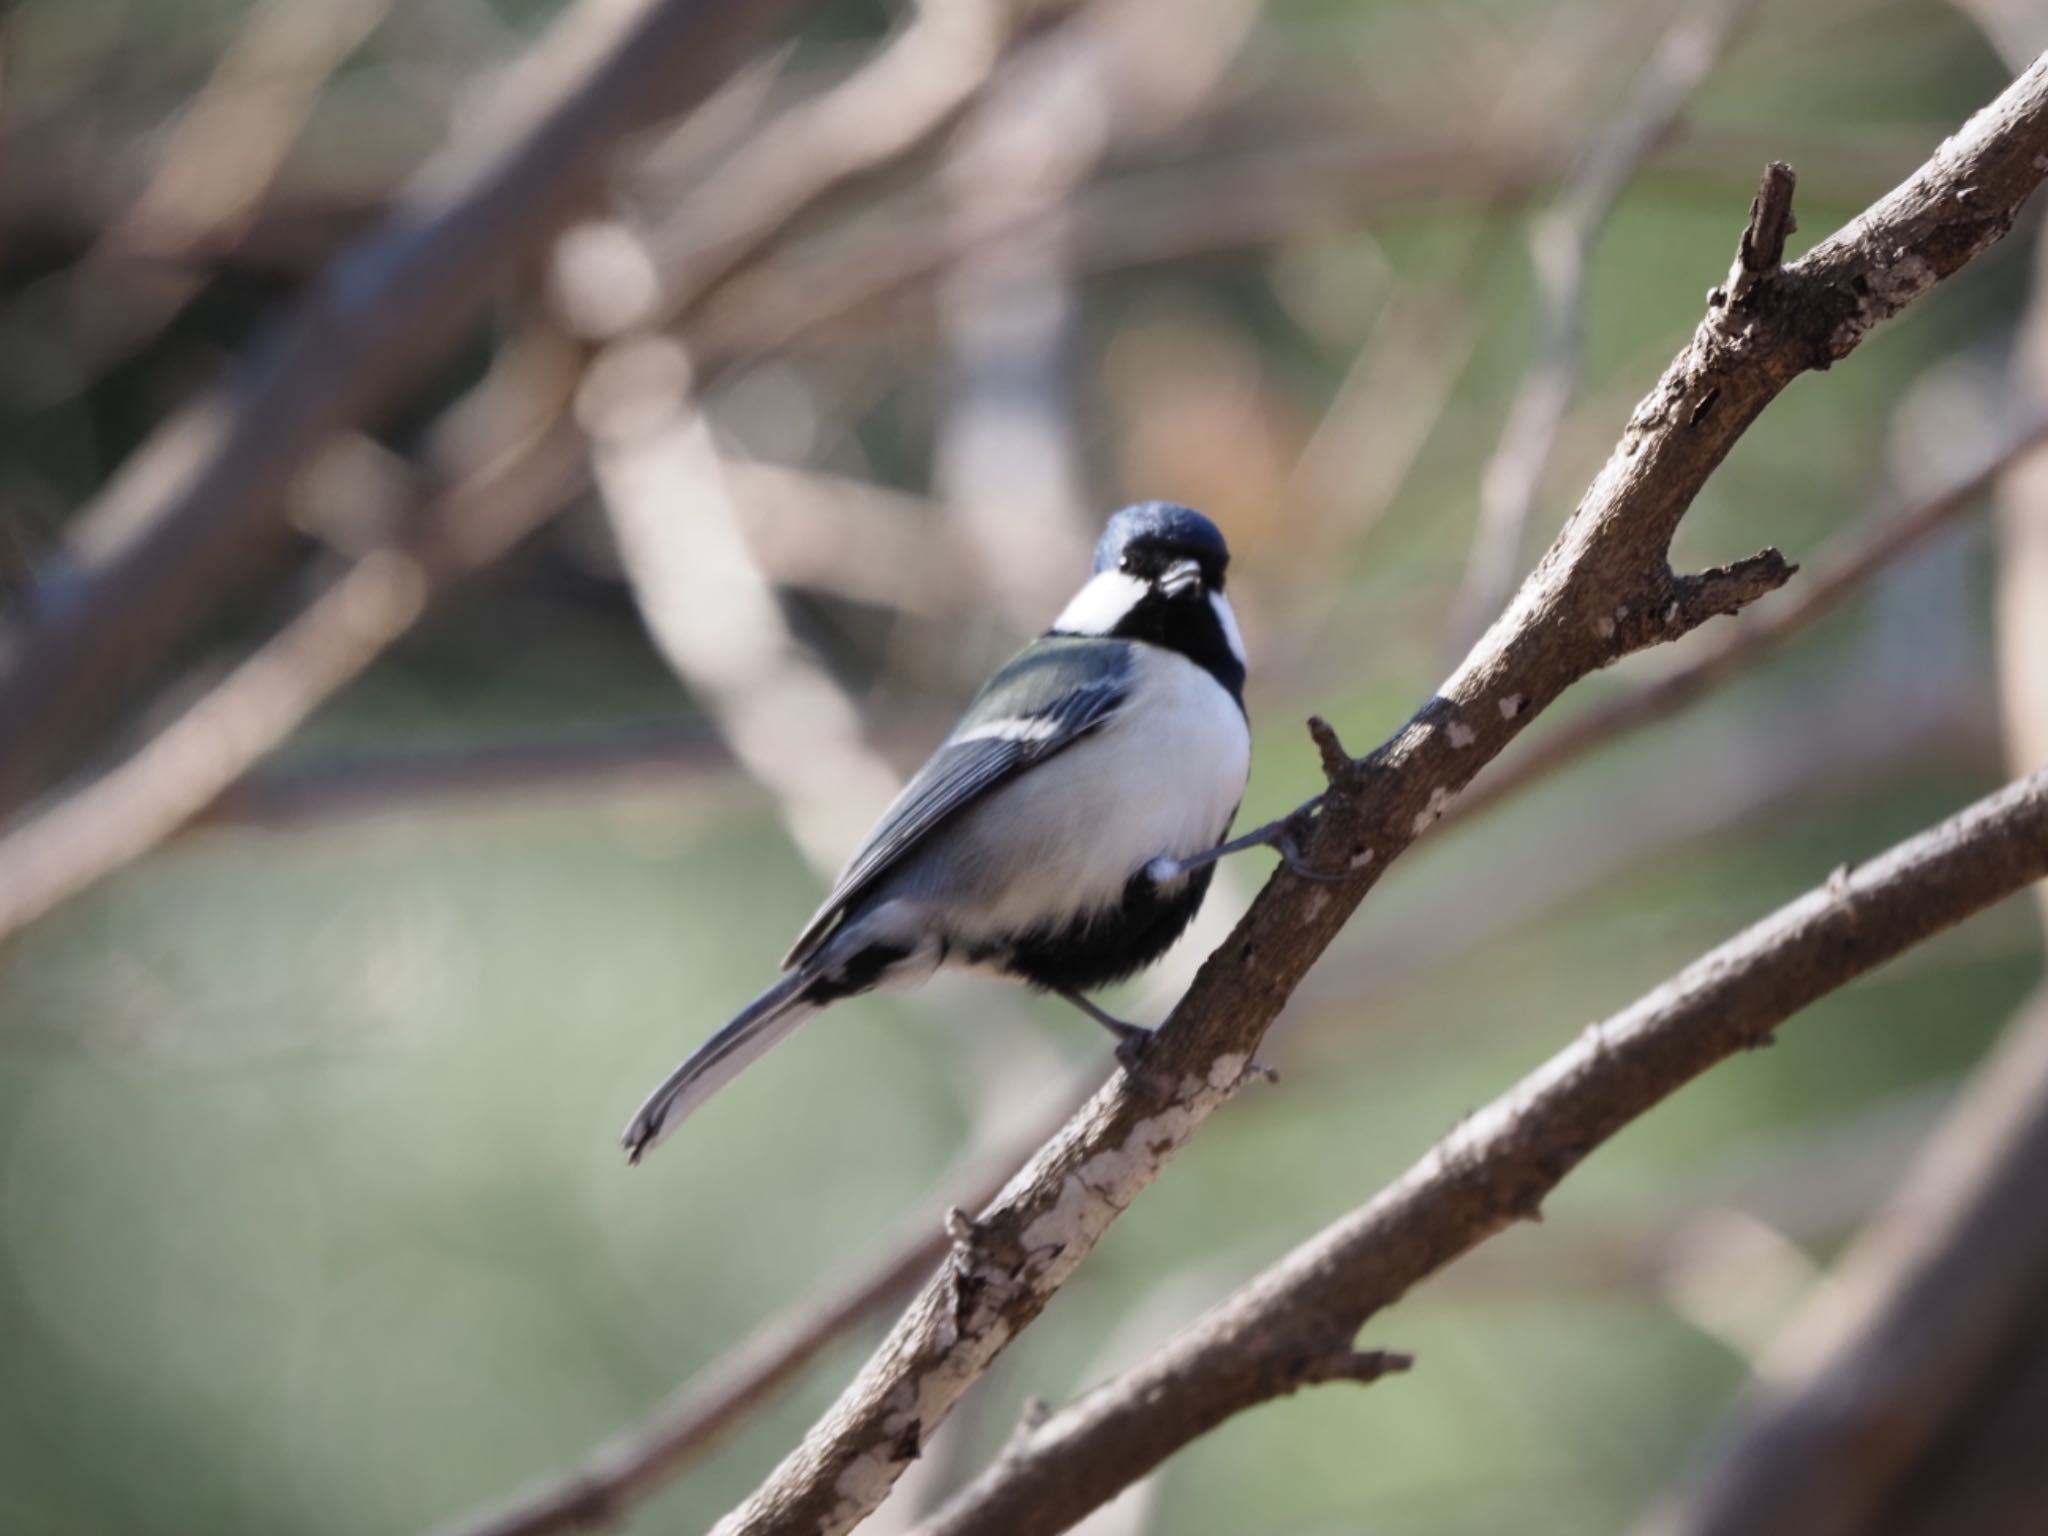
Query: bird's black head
[(1162, 543), (1159, 579)]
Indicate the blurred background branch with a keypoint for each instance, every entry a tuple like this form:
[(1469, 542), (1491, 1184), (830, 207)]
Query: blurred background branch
[(713, 612), (1875, 1407), (221, 156), (1857, 554), (83, 836)]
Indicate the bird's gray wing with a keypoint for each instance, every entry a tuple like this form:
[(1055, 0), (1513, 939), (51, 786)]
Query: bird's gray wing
[(1051, 694)]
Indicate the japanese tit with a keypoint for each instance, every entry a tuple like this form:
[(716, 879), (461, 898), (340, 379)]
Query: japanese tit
[(1057, 835)]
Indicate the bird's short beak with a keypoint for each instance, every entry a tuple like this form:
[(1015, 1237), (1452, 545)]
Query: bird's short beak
[(1181, 578)]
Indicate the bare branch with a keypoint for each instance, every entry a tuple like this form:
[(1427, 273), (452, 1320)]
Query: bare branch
[(1562, 242), (1499, 1165), (1771, 223), (199, 504), (1604, 589)]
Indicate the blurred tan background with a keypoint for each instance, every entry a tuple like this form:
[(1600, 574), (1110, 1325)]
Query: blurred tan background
[(312, 1217)]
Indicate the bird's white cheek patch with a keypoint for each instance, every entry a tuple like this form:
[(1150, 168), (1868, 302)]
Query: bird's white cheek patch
[(1100, 606)]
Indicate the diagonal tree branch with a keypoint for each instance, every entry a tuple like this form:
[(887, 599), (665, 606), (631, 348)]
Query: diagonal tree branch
[(202, 500), (1605, 589), (1285, 1329)]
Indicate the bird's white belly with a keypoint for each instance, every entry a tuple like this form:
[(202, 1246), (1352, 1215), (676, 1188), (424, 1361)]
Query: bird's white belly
[(1163, 777)]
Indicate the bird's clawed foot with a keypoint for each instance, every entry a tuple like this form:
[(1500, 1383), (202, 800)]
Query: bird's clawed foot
[(1131, 1039), (1290, 855), (1131, 1045), (1134, 1041)]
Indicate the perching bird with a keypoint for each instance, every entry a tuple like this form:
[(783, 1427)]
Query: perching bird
[(1062, 834)]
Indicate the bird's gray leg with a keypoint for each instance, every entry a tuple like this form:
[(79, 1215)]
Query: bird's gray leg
[(1131, 1039), (1277, 835)]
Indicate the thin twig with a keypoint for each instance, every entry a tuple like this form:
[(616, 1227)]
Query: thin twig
[(1606, 589), (1359, 457), (1277, 1333)]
